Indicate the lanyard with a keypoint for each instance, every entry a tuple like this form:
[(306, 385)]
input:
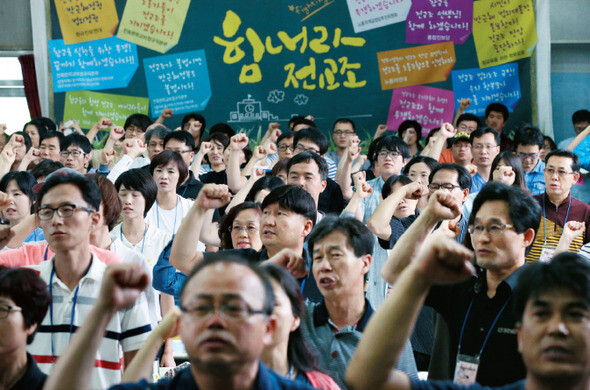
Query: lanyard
[(489, 331), (45, 255), (142, 241), (545, 218), (158, 215), (185, 187), (74, 301)]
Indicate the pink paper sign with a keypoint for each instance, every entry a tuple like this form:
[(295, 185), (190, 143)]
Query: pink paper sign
[(427, 105), (434, 21)]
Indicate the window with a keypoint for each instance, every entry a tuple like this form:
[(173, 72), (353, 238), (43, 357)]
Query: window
[(14, 111)]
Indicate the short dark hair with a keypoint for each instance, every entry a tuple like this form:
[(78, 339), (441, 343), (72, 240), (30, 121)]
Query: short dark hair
[(223, 257), (467, 117), (568, 271), (227, 221), (53, 134), (552, 144), (28, 291), (222, 128), (314, 135), (392, 143), (45, 168), (463, 176), (483, 131), (301, 121), (167, 157), (581, 116), (24, 181), (139, 179), (358, 236), (196, 117), (89, 189), (79, 140), (28, 142), (410, 124), (306, 157), (429, 161), (279, 166), (524, 210), (48, 123), (182, 136), (141, 121), (286, 134), (159, 131), (393, 180), (265, 182), (565, 153), (292, 198), (111, 204), (510, 158), (345, 120), (529, 135), (41, 129), (497, 107)]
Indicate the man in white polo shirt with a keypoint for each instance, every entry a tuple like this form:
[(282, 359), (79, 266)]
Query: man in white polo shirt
[(67, 207)]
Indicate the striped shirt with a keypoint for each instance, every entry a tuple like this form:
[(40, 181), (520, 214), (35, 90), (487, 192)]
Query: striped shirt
[(126, 332)]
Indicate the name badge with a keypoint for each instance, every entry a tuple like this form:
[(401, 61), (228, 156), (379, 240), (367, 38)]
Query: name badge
[(466, 369), (547, 253)]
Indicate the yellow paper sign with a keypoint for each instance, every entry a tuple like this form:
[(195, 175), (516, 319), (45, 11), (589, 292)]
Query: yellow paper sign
[(503, 30), (416, 65), (86, 20), (155, 24)]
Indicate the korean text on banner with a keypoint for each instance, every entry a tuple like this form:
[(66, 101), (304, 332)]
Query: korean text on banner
[(369, 14), (484, 86), (153, 24), (86, 20), (178, 81), (427, 105), (416, 65), (439, 21), (503, 30), (88, 107), (103, 64)]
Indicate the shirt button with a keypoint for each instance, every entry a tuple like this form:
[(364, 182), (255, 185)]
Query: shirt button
[(481, 329), (334, 354)]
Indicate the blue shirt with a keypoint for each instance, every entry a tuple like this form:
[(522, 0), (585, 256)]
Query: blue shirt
[(448, 385), (165, 277), (583, 152), (37, 235), (477, 182), (535, 179), (265, 380)]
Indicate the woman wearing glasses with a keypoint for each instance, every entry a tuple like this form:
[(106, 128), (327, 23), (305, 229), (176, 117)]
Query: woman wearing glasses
[(239, 228)]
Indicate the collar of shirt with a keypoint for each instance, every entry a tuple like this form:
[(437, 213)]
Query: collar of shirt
[(550, 206), (95, 272), (322, 317), (539, 168), (480, 286)]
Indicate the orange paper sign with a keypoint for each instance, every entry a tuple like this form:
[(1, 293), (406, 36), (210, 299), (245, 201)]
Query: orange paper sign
[(416, 65)]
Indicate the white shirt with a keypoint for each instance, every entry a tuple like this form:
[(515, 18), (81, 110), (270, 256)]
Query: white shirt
[(126, 163), (169, 220)]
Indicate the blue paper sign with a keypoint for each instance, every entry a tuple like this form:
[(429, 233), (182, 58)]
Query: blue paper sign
[(101, 64), (178, 81), (497, 84)]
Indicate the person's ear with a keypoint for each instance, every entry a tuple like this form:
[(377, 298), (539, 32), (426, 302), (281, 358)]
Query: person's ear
[(271, 327), (366, 260), (529, 237), (296, 323), (324, 185), (576, 177), (307, 227)]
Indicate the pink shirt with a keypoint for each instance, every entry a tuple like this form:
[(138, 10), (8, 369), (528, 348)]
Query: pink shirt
[(37, 253)]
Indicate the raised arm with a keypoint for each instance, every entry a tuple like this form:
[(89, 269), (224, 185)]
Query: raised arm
[(463, 104), (579, 138), (446, 131), (362, 190), (235, 181), (240, 197), (373, 363), (166, 113), (571, 230), (204, 148), (344, 170), (103, 123)]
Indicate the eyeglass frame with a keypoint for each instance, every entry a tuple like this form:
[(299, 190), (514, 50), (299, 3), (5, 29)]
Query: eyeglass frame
[(530, 156), (443, 186), (551, 172), (346, 132), (212, 309), (284, 147), (239, 229), (387, 153), (73, 153), (59, 213), (8, 309), (300, 149), (487, 229)]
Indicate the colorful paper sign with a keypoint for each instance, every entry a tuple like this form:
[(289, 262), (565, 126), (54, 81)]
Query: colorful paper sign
[(88, 107), (416, 65), (86, 20), (433, 21), (503, 30), (155, 24), (103, 64), (178, 81), (369, 14), (427, 105), (484, 86)]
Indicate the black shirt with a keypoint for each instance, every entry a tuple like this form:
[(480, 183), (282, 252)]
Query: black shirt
[(398, 227), (331, 200), (500, 362), (190, 189), (214, 177), (33, 378)]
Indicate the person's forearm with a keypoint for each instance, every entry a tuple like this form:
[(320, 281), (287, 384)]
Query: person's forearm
[(436, 149), (379, 221), (209, 231), (460, 112), (248, 169), (240, 197), (384, 337), (345, 182), (22, 231), (92, 133), (578, 139), (74, 368), (235, 181), (564, 244), (24, 164), (407, 247), (196, 165), (354, 207), (142, 364), (184, 255)]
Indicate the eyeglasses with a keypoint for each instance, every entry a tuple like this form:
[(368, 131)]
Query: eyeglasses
[(493, 229), (301, 149), (340, 132), (482, 147), (134, 129), (64, 211), (551, 172), (6, 310), (530, 156), (180, 151), (230, 311), (283, 148), (155, 144), (238, 229), (384, 154), (74, 153), (446, 186), (466, 128)]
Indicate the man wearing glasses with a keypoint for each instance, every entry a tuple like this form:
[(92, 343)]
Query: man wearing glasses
[(68, 210), (75, 153), (479, 313), (343, 129), (562, 171), (485, 146), (529, 142)]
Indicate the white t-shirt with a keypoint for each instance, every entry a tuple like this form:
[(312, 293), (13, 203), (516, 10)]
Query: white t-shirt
[(169, 220)]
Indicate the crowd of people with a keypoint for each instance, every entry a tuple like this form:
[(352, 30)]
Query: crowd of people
[(461, 257)]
